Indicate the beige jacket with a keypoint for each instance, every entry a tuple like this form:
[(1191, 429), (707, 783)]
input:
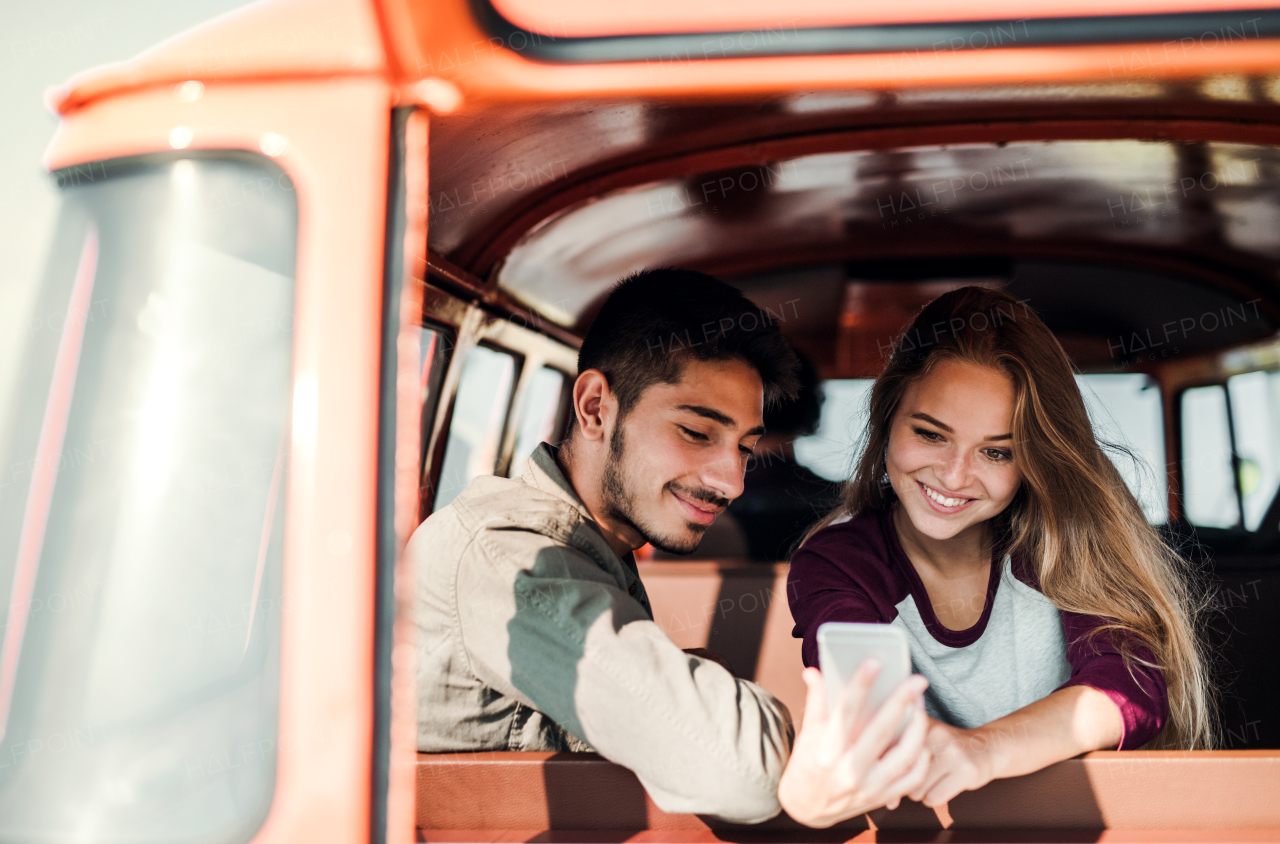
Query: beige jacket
[(534, 635)]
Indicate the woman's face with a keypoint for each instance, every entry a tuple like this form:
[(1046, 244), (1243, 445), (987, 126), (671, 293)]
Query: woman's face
[(951, 455)]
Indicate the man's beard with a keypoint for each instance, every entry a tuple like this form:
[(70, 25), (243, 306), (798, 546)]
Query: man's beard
[(619, 502)]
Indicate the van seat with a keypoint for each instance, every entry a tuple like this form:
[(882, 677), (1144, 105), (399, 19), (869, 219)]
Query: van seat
[(737, 609)]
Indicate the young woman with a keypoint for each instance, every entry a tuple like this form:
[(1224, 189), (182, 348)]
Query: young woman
[(984, 519)]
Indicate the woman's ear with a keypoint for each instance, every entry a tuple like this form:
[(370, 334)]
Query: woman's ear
[(594, 405)]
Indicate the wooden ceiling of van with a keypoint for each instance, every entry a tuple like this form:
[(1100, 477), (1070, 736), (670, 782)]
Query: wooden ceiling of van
[(1151, 180)]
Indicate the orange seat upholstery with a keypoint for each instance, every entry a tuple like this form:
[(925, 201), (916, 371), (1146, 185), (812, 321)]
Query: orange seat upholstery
[(737, 609)]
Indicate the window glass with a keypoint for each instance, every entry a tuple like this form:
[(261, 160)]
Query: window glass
[(1209, 493), (830, 451), (434, 348), (142, 510), (479, 411), (1255, 414), (1125, 410), (541, 410)]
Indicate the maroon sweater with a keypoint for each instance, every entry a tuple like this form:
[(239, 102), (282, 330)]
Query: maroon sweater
[(857, 571)]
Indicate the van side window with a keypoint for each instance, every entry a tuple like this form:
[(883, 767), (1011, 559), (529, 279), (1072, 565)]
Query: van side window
[(831, 451), (1255, 417), (1125, 410), (539, 417), (479, 412), (435, 346), (1208, 488)]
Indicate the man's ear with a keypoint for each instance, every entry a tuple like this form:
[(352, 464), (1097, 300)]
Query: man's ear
[(594, 405)]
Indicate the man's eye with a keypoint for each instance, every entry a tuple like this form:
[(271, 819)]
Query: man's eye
[(747, 452), (692, 433)]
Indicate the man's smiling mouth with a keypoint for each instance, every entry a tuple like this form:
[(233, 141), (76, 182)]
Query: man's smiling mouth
[(696, 511)]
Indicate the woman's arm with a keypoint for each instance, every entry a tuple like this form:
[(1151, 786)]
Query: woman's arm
[(1068, 722)]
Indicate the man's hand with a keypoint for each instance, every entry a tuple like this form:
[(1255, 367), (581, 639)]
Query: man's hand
[(962, 761), (833, 774)]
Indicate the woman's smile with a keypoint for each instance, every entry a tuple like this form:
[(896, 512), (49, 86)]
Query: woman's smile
[(943, 503)]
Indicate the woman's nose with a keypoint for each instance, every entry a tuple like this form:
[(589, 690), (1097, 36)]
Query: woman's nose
[(953, 471)]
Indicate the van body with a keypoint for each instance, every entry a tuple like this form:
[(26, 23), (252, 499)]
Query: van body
[(321, 262)]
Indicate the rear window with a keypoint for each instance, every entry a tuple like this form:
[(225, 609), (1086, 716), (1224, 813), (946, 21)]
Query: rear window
[(1231, 451)]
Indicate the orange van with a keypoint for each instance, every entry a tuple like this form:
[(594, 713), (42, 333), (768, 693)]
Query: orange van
[(321, 262)]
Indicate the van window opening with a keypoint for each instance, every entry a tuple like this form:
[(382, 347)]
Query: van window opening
[(479, 417)]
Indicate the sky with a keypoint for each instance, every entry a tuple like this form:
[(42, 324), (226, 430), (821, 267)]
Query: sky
[(42, 43)]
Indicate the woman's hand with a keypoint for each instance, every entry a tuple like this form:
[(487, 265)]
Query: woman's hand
[(835, 774), (962, 761)]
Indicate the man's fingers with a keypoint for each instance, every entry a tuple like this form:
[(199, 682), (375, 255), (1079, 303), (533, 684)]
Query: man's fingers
[(857, 687), (900, 758), (815, 699), (881, 730)]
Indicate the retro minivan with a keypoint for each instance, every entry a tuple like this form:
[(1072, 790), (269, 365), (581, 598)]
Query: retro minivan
[(319, 263)]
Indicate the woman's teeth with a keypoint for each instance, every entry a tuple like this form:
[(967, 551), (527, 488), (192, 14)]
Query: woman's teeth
[(943, 500)]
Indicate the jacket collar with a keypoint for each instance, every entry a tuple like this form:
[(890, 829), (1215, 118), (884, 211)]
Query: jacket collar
[(543, 472)]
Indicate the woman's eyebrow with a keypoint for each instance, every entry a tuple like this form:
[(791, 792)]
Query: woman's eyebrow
[(927, 418)]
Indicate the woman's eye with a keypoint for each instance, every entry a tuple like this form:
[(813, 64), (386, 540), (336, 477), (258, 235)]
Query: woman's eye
[(998, 456), (931, 436)]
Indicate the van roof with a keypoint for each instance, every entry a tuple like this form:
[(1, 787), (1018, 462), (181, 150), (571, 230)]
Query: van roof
[(1079, 148)]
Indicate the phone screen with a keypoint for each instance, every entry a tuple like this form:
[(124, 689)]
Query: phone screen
[(842, 647)]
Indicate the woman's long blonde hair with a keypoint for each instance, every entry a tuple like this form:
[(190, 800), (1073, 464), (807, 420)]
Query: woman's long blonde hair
[(1073, 517)]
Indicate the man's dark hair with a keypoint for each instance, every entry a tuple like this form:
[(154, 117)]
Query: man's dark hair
[(800, 416), (657, 320)]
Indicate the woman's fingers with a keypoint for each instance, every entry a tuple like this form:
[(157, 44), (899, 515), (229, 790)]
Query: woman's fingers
[(941, 768), (903, 786), (944, 789)]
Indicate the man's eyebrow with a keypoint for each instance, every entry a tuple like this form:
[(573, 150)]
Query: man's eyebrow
[(927, 418), (718, 417)]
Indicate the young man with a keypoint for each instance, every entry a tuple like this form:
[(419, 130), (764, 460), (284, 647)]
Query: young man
[(535, 632)]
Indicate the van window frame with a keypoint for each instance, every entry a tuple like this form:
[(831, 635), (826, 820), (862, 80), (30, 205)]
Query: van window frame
[(501, 329)]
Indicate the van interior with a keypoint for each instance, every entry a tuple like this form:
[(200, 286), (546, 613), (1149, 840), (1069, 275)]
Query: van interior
[(1140, 217)]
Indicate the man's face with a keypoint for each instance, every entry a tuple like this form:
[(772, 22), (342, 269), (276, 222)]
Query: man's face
[(678, 458)]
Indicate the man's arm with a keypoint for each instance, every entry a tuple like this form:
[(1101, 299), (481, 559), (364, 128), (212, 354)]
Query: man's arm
[(542, 622)]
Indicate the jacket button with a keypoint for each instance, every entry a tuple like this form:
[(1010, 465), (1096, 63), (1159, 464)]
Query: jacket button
[(632, 589)]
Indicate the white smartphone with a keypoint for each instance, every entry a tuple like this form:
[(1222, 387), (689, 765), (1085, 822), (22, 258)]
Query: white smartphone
[(843, 646)]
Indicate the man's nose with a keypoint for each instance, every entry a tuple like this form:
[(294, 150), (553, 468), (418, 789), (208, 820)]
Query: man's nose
[(724, 474)]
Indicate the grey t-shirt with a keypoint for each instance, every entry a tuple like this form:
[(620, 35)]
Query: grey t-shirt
[(1020, 657)]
